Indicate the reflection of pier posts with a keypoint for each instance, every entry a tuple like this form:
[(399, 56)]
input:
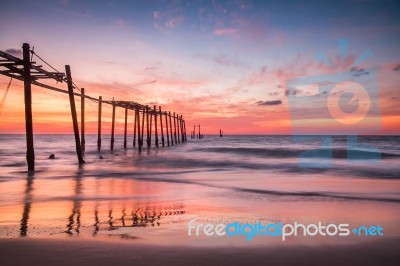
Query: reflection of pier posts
[(96, 211), (27, 206), (76, 208)]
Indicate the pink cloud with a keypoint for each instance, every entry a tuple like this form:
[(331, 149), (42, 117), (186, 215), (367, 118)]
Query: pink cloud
[(120, 23), (225, 31)]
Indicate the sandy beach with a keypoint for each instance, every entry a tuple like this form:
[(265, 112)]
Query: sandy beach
[(89, 252)]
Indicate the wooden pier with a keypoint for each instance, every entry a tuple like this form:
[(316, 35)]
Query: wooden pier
[(27, 71)]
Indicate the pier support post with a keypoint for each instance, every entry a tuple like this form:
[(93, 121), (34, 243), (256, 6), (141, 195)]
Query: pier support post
[(175, 129), (170, 124), (178, 129), (184, 127), (166, 127), (155, 126), (83, 119), (199, 132), (162, 129), (73, 114), (126, 126), (140, 135), (99, 125), (151, 124), (147, 125), (181, 126), (113, 125), (134, 126), (142, 138), (30, 152)]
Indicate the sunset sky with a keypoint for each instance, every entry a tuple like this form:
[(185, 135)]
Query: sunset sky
[(221, 64)]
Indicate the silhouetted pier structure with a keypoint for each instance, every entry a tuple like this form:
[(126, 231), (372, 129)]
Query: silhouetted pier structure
[(27, 71), (193, 134)]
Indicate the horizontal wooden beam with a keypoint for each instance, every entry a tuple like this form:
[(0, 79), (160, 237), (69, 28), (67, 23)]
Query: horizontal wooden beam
[(8, 74), (11, 58), (54, 75)]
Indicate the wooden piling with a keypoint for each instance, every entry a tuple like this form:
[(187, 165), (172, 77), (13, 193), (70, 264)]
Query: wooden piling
[(162, 129), (166, 127), (113, 125), (126, 126), (99, 125), (155, 126), (170, 124), (181, 126), (199, 132), (140, 132), (178, 128), (142, 137), (175, 129), (30, 152), (134, 127), (151, 124), (147, 125), (73, 114), (83, 119), (184, 127)]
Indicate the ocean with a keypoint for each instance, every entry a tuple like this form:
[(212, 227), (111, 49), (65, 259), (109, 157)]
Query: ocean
[(151, 196)]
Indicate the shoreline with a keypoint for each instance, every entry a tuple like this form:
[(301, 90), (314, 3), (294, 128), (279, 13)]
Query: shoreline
[(44, 251)]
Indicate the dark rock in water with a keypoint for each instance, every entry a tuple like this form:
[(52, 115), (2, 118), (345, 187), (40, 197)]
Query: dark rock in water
[(52, 156), (101, 157)]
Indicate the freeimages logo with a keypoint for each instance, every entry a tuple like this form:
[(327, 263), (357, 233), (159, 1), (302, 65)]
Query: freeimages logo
[(342, 103)]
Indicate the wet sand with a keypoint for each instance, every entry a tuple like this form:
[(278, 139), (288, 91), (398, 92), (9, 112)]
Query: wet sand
[(60, 252)]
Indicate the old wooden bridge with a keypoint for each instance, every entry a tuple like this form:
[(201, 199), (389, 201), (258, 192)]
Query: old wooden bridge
[(29, 72)]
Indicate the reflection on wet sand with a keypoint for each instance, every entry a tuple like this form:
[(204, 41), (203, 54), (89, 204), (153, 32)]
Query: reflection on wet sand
[(137, 218), (76, 209), (97, 221), (27, 205), (105, 208)]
